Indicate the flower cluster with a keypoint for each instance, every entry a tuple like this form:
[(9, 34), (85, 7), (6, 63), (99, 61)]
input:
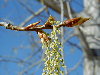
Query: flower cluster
[(53, 58)]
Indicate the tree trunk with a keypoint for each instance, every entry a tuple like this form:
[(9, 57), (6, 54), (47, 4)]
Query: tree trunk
[(92, 33), (91, 66)]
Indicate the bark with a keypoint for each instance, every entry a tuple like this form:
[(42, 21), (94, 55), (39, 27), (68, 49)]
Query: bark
[(91, 32), (92, 66)]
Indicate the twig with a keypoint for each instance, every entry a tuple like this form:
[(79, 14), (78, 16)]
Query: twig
[(62, 34), (76, 65), (36, 27), (39, 63), (69, 37), (13, 60), (30, 67), (75, 45), (31, 11), (69, 10), (18, 28)]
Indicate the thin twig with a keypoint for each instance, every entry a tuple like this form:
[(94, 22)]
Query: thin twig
[(13, 60), (62, 34), (69, 10), (75, 45), (30, 67), (39, 63), (69, 37), (76, 65)]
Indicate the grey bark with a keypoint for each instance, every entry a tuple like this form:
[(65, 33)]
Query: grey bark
[(91, 67), (91, 31)]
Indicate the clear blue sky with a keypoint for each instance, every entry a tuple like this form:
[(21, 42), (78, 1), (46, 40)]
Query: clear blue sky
[(10, 40)]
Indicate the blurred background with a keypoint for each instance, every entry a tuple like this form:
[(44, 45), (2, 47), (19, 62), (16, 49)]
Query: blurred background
[(21, 51)]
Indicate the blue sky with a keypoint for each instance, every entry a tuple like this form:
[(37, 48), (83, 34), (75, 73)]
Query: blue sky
[(12, 42)]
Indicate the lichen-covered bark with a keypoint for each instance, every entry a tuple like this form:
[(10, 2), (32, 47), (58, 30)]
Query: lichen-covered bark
[(92, 66), (91, 31)]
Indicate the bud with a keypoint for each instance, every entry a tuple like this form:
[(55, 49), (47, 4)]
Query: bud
[(75, 21)]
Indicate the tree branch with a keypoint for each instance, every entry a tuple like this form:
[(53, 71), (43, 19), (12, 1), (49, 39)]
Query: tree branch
[(47, 25)]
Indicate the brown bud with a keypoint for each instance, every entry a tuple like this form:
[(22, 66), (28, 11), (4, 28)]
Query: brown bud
[(44, 36), (32, 25), (74, 21)]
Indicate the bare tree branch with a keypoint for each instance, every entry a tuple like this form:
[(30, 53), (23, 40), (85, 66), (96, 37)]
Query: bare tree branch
[(47, 25), (13, 60), (62, 33), (31, 11), (75, 45)]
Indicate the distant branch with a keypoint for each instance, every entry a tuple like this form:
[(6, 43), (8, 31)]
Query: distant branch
[(76, 65), (13, 60), (30, 67), (32, 16), (75, 45)]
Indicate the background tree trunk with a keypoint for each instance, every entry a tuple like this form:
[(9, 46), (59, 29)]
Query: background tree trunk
[(92, 33), (91, 67)]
